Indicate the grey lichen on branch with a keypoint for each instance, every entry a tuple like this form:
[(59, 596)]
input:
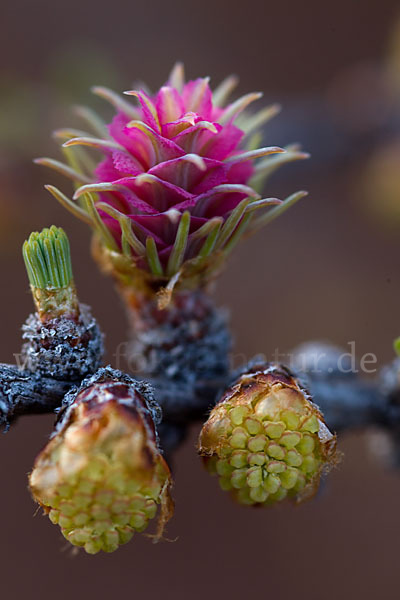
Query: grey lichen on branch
[(184, 350), (62, 347), (187, 342), (25, 393)]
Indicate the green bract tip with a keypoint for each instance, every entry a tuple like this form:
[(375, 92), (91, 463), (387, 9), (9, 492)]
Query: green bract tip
[(396, 346), (48, 259)]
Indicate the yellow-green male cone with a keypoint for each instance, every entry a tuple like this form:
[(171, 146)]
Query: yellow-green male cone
[(266, 440), (101, 476)]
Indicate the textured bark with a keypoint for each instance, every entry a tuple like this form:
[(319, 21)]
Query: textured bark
[(187, 343), (24, 393)]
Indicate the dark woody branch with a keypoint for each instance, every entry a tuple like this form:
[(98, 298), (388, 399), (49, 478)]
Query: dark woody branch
[(347, 401), (26, 393)]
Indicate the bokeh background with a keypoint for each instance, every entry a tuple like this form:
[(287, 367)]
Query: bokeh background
[(327, 270)]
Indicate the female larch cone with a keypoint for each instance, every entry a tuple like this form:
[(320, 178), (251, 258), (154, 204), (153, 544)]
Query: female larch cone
[(179, 182), (101, 476), (266, 440)]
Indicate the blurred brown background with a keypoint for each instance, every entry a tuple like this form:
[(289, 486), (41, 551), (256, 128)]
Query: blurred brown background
[(328, 269)]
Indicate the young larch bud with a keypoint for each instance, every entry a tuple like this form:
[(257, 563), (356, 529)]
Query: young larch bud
[(62, 339), (266, 440), (48, 263), (101, 476)]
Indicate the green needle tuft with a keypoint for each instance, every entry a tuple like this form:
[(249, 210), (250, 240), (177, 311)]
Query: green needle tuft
[(396, 345), (48, 259)]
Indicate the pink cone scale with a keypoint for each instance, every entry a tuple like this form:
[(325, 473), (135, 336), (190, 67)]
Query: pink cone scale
[(178, 182), (266, 440)]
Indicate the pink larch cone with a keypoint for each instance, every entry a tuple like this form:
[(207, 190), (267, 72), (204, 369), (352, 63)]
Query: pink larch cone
[(176, 189)]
